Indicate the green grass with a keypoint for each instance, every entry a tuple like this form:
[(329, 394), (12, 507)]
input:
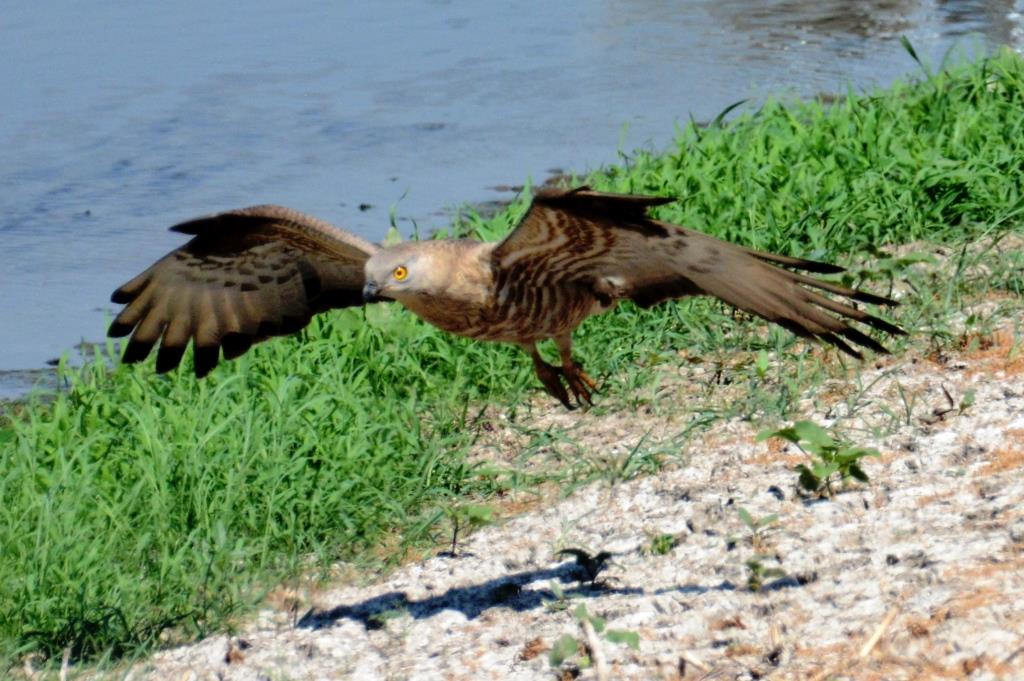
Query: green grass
[(139, 510)]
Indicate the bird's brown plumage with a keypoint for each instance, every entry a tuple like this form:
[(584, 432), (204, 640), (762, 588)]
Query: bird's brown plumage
[(264, 271), (605, 246), (246, 275)]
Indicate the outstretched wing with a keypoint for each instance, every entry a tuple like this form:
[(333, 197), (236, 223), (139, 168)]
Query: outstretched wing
[(246, 275), (606, 243)]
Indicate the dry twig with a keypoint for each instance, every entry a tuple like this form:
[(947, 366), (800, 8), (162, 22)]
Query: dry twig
[(870, 644), (596, 654)]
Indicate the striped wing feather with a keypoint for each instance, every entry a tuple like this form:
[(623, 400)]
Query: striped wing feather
[(607, 243), (245, 275)]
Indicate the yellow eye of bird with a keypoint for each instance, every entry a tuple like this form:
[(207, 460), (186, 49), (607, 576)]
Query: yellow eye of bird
[(400, 273)]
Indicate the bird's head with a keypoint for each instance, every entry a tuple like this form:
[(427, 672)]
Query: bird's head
[(400, 272)]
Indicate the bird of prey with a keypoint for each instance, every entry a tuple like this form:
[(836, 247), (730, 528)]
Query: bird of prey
[(253, 273)]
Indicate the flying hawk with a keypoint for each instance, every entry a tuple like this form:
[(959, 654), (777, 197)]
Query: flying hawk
[(264, 271)]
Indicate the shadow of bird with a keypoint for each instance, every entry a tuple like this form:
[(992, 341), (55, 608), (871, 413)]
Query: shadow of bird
[(591, 566)]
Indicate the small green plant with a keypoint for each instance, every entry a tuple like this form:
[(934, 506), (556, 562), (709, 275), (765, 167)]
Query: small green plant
[(758, 526), (880, 265), (568, 646), (966, 402), (952, 406), (560, 602), (830, 458), (640, 459), (762, 364), (467, 516), (661, 544), (563, 649), (758, 572)]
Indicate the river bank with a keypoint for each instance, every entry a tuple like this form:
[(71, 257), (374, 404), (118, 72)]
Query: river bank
[(149, 511)]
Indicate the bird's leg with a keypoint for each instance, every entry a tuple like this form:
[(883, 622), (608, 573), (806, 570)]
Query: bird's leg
[(549, 375), (581, 385)]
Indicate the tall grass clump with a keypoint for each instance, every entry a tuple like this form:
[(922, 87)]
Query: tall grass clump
[(141, 509), (138, 505)]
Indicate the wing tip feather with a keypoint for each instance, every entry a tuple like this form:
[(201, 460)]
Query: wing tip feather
[(122, 296), (136, 351), (119, 329), (205, 359), (873, 299)]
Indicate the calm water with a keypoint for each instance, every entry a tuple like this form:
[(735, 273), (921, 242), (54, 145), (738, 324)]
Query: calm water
[(119, 119)]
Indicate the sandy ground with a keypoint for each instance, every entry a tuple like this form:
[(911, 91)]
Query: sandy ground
[(917, 575)]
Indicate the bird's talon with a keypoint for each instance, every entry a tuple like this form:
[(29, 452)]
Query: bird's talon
[(551, 377), (580, 391), (591, 383), (582, 386)]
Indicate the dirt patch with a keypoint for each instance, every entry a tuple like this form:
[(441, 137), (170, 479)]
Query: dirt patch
[(919, 574)]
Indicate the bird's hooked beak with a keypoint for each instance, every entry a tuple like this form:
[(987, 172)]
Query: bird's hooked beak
[(371, 292)]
